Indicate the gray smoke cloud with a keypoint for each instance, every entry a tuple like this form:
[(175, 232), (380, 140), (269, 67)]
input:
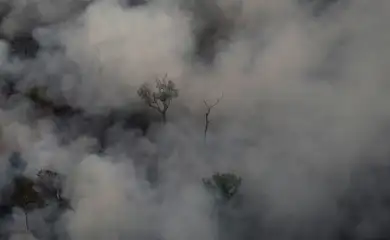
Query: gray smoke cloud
[(21, 16), (304, 110)]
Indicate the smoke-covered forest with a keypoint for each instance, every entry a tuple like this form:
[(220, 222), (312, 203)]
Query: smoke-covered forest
[(194, 119)]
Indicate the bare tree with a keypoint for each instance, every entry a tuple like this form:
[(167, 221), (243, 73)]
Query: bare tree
[(207, 114), (161, 99)]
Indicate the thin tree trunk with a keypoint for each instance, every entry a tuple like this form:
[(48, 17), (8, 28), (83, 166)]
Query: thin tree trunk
[(26, 220), (206, 123), (164, 117), (206, 127)]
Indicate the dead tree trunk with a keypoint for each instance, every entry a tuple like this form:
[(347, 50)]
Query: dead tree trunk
[(26, 220), (207, 114)]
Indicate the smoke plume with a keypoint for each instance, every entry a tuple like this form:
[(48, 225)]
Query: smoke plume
[(303, 118)]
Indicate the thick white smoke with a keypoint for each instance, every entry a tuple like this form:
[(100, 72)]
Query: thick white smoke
[(305, 98)]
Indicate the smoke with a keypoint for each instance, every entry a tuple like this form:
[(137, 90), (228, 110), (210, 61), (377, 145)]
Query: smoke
[(303, 117), (21, 16)]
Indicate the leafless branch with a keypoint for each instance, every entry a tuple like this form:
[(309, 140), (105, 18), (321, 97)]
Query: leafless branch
[(207, 113)]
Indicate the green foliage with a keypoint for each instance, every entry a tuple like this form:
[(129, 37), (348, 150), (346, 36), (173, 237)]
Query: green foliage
[(224, 185), (25, 196), (29, 194), (161, 98)]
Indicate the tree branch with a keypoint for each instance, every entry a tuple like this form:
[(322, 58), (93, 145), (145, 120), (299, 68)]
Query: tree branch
[(207, 114)]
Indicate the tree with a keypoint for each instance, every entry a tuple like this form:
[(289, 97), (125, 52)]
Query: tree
[(49, 185), (25, 196), (31, 194), (224, 185), (161, 99), (207, 114)]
